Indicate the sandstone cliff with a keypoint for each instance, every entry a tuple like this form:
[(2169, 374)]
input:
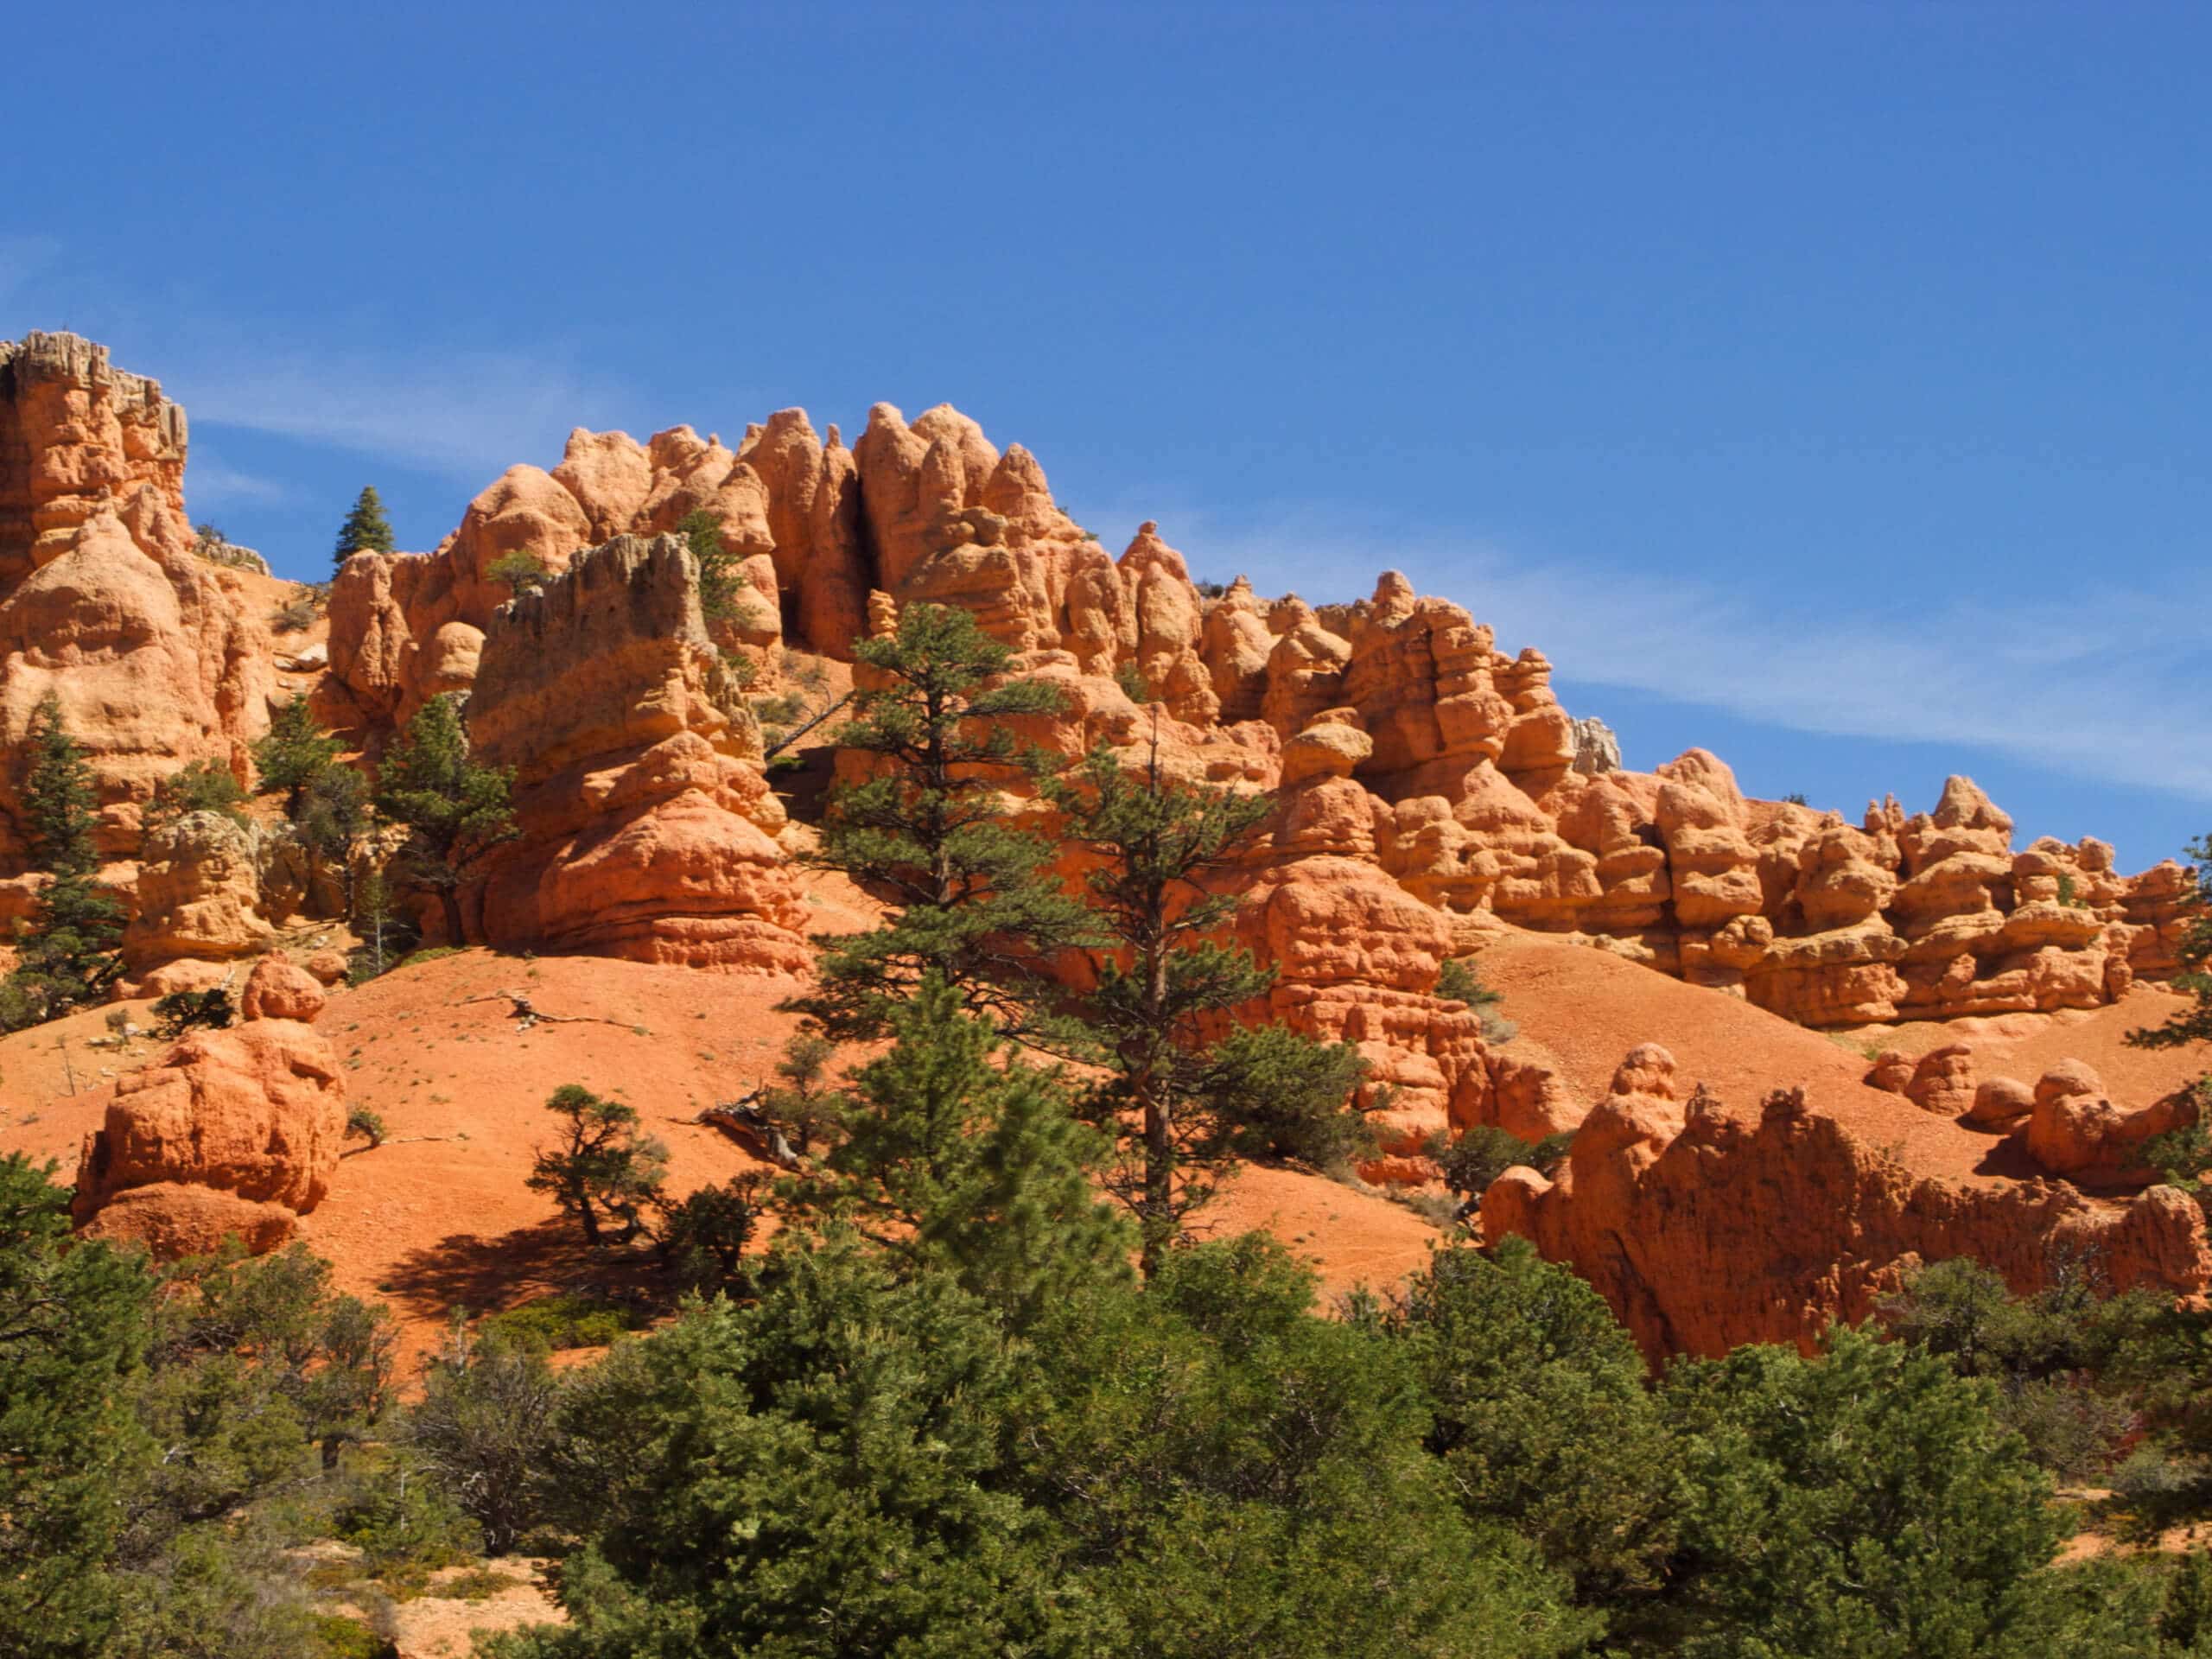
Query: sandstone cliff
[(1707, 1225), (156, 653), (645, 827), (1488, 802)]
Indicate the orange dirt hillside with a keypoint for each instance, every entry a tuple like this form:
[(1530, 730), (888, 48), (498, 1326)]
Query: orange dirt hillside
[(438, 1216), (1581, 1010)]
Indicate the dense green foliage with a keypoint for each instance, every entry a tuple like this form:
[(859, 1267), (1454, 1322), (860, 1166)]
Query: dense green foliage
[(147, 1423), (366, 530), (973, 897), (960, 1159), (1180, 1101), (455, 810), (203, 786), (294, 755), (66, 957)]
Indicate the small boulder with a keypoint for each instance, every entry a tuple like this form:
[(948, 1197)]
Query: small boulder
[(1892, 1072), (2000, 1102), (1942, 1081), (277, 990)]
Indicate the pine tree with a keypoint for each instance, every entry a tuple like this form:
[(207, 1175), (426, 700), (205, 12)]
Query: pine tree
[(72, 1324), (366, 528), (722, 577), (959, 1157), (296, 752), (1181, 1102), (602, 1172), (57, 796), (974, 897), (454, 810), (66, 955)]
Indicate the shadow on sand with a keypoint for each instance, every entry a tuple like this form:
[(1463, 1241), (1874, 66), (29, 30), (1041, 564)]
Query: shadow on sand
[(488, 1275)]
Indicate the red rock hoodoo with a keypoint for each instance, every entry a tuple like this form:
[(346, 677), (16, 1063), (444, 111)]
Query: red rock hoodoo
[(1432, 799), (234, 1131)]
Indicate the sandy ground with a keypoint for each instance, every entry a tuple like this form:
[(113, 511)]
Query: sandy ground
[(1580, 1010), (439, 1217)]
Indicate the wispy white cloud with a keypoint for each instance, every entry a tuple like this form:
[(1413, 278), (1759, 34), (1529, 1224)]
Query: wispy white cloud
[(2088, 688), (468, 414), (210, 481)]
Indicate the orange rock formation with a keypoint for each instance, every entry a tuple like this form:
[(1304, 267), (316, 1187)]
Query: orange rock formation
[(154, 651), (1433, 799), (1707, 1226), (234, 1131), (645, 827)]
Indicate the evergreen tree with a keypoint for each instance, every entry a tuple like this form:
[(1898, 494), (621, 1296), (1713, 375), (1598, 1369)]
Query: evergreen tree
[(1542, 1414), (814, 1475), (203, 786), (959, 1157), (1238, 1477), (366, 528), (973, 897), (66, 957), (72, 1334), (721, 574), (1181, 1102), (602, 1172), (454, 810), (1864, 1502), (296, 752), (58, 796)]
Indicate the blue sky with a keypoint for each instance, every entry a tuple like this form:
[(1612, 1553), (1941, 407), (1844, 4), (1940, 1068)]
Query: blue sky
[(1826, 385)]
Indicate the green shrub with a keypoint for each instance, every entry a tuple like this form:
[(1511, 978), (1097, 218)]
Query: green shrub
[(406, 1527), (558, 1321), (1457, 981), (705, 1236), (1479, 1157), (522, 571), (337, 1637), (1131, 679), (181, 1010), (361, 1121), (203, 786)]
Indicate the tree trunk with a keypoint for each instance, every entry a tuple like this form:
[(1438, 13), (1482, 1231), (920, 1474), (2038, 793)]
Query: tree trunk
[(449, 898)]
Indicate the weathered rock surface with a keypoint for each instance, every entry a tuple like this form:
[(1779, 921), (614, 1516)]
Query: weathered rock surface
[(229, 1131), (156, 656), (1498, 805), (646, 827), (1706, 1227), (2074, 1129)]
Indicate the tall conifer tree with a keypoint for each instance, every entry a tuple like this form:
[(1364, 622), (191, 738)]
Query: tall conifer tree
[(66, 955), (366, 528), (974, 897), (1183, 1096), (456, 810)]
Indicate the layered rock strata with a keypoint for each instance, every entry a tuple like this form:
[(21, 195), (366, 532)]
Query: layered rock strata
[(644, 826), (154, 653)]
